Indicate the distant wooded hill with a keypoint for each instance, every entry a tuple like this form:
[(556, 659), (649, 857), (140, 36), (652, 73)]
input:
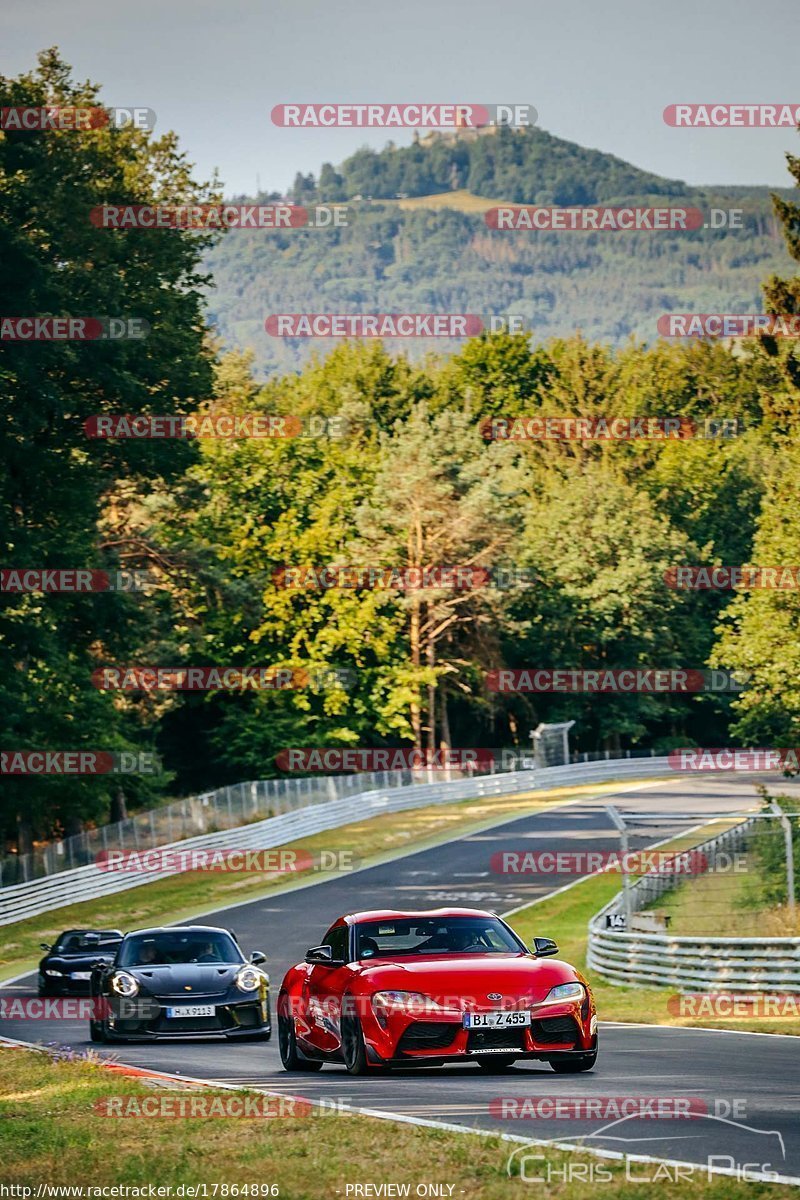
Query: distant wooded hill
[(417, 241)]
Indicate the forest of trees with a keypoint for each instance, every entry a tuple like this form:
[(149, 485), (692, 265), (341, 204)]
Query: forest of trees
[(411, 481), (527, 165), (390, 260)]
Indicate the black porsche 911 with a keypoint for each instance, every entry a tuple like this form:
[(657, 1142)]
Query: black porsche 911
[(184, 981), (66, 968)]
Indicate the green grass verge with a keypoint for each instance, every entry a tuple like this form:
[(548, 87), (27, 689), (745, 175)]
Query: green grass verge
[(183, 896), (51, 1134), (729, 904)]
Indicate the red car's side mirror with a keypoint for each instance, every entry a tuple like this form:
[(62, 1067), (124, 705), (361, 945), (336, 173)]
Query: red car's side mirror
[(323, 956), (542, 947)]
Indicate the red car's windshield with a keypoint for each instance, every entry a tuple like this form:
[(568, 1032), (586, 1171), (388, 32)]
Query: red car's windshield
[(449, 935)]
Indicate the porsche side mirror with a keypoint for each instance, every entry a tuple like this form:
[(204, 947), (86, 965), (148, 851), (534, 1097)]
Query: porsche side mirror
[(45, 946), (542, 947), (323, 955), (257, 957)]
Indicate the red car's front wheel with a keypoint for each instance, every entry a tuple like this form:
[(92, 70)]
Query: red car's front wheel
[(354, 1049), (571, 1066), (495, 1064)]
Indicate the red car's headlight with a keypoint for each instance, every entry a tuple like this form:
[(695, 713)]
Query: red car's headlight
[(412, 1003), (564, 991)]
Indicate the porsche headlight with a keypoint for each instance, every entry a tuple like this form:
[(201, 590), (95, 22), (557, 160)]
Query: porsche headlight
[(248, 979), (564, 991), (50, 971), (124, 984)]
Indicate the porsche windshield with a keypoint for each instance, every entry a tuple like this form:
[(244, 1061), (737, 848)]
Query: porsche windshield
[(167, 949), (450, 935)]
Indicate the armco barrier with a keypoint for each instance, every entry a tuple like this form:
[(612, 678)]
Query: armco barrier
[(690, 964), (240, 804), (223, 808), (87, 883)]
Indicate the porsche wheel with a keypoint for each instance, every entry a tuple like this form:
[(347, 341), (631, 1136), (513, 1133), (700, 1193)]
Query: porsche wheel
[(495, 1064), (571, 1066), (291, 1057), (96, 1031)]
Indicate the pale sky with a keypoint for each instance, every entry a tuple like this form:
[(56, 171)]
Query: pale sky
[(598, 73)]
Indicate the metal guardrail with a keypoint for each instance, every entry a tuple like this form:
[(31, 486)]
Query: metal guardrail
[(690, 963), (224, 808), (90, 882), (234, 805)]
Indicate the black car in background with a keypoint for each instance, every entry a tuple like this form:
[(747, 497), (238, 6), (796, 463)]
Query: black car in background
[(184, 981), (67, 966)]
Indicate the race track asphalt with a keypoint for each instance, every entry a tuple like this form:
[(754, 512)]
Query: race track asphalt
[(750, 1083)]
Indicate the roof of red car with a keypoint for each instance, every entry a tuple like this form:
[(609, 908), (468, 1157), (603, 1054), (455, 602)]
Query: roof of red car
[(390, 914)]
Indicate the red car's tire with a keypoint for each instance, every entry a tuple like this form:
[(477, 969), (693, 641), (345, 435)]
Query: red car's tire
[(495, 1064), (354, 1049), (292, 1058), (572, 1066)]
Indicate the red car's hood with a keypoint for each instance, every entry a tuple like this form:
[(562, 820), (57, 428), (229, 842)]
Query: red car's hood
[(472, 977)]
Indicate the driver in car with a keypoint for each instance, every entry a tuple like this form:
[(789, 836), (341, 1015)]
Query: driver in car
[(207, 953), (464, 941)]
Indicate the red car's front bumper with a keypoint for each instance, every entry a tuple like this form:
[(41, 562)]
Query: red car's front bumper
[(565, 1028)]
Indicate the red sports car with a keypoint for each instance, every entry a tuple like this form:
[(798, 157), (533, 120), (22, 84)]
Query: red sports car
[(390, 988)]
